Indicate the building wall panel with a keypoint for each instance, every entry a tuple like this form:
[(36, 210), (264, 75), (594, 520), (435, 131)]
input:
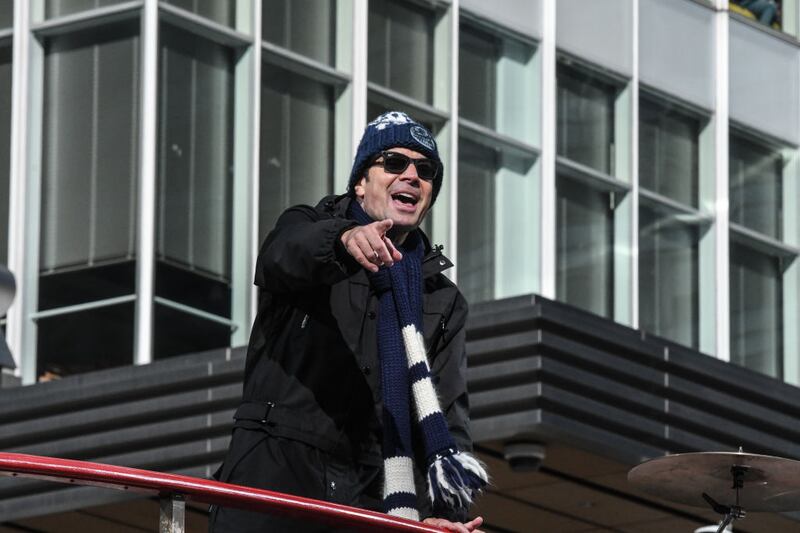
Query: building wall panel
[(764, 82), (600, 32), (676, 49), (522, 16)]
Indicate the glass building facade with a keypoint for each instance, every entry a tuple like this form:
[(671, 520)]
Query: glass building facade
[(633, 158)]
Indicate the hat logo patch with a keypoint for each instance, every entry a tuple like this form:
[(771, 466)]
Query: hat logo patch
[(422, 136), (393, 118)]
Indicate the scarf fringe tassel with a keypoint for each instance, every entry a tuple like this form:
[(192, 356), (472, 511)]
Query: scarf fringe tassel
[(455, 478)]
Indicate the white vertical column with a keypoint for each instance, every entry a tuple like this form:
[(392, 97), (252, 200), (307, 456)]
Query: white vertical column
[(344, 128), (246, 174), (255, 237), (634, 167), (452, 172), (19, 341), (255, 155), (148, 124), (359, 86), (791, 274), (547, 163), (721, 225)]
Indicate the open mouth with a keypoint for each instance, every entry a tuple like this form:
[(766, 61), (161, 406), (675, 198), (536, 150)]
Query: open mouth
[(405, 199)]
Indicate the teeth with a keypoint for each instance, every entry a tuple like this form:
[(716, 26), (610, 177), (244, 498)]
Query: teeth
[(405, 198)]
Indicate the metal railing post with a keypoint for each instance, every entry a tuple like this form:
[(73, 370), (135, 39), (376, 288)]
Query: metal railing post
[(172, 518)]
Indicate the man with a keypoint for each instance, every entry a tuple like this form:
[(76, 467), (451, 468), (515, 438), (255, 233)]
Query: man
[(340, 402), (766, 11)]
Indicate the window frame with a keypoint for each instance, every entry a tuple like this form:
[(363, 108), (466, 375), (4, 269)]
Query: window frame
[(617, 183), (785, 249)]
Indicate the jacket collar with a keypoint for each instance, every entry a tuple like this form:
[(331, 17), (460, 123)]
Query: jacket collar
[(434, 261)]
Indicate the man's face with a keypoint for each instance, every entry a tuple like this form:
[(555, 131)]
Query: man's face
[(405, 198)]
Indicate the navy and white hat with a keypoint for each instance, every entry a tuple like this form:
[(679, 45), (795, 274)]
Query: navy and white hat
[(391, 130)]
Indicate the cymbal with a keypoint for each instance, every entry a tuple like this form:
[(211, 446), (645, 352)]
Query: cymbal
[(769, 484)]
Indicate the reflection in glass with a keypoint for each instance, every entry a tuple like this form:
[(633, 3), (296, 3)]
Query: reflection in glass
[(400, 48), (84, 341), (756, 311), (5, 148), (479, 53), (756, 183), (195, 178), (296, 143), (307, 27), (60, 8), (476, 221), (89, 166), (669, 152), (668, 276), (221, 11), (585, 246), (585, 119)]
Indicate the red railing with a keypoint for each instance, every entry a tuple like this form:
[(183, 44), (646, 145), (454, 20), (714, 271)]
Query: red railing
[(174, 490)]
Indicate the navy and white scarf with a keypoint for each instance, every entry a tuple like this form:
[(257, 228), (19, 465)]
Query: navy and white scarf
[(453, 476)]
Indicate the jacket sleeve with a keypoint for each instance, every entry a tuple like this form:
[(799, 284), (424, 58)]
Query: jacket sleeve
[(304, 251)]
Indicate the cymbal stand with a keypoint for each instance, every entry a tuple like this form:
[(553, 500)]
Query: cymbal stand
[(732, 512)]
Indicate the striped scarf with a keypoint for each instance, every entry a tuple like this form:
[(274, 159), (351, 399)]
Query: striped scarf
[(453, 476)]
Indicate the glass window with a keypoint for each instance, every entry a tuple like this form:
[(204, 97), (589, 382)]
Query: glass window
[(195, 179), (6, 14), (222, 11), (496, 226), (5, 148), (89, 166), (585, 246), (307, 27), (479, 52), (668, 275), (60, 8), (756, 311), (297, 120), (497, 84), (476, 221), (585, 118), (400, 48), (88, 213), (186, 333), (84, 341), (756, 182), (669, 151)]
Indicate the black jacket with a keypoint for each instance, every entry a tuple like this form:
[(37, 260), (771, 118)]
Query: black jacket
[(312, 372)]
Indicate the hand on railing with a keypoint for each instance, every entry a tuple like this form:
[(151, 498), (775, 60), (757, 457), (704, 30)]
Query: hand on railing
[(458, 527)]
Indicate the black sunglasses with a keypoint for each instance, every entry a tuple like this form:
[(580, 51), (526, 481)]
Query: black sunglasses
[(397, 163)]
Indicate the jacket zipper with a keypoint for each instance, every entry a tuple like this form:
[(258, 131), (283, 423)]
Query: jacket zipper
[(442, 327)]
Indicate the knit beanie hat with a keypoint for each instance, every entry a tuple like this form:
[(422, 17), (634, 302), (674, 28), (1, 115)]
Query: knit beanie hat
[(391, 130)]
